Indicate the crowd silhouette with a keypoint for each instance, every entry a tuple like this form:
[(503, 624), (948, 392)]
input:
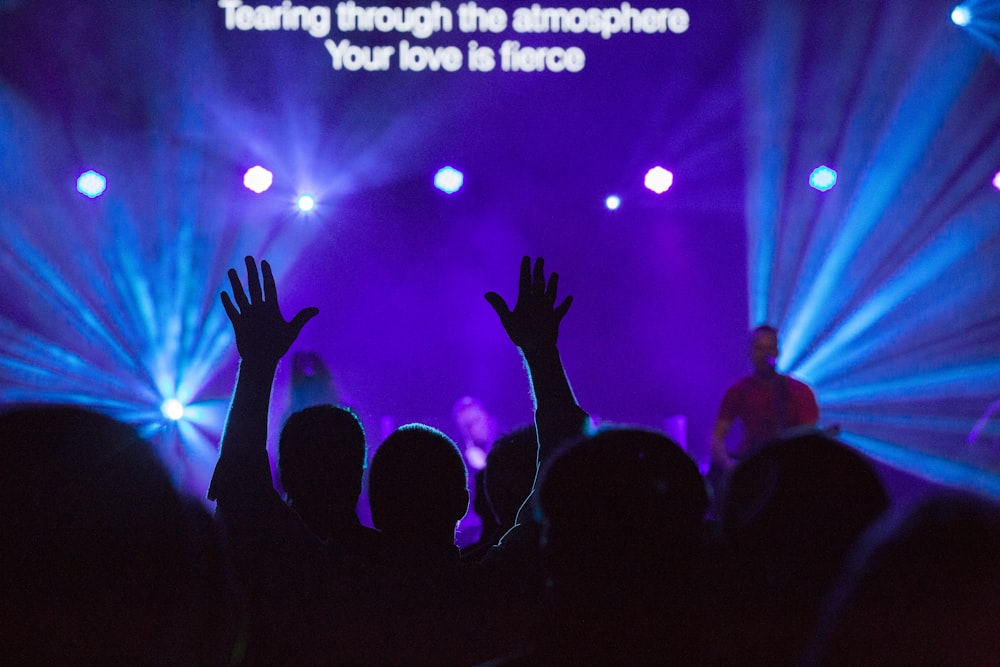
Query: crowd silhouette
[(600, 546)]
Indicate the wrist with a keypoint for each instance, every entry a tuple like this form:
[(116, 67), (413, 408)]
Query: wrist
[(258, 365), (538, 350)]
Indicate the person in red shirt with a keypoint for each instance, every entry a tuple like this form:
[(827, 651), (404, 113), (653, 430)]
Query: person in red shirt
[(766, 403)]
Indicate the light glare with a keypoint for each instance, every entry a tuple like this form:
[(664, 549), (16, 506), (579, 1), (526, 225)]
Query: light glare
[(448, 180), (91, 184), (961, 15), (305, 203), (258, 179), (172, 409), (613, 202), (996, 181), (658, 180)]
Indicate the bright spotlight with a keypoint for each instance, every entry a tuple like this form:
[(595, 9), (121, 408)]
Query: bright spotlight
[(961, 15), (823, 178), (305, 203), (258, 179), (172, 409), (448, 180), (996, 181), (613, 202), (658, 180), (91, 184)]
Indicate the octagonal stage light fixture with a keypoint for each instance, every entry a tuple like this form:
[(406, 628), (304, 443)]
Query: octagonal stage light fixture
[(305, 203), (658, 180), (91, 184), (613, 202), (448, 180), (823, 178), (258, 179)]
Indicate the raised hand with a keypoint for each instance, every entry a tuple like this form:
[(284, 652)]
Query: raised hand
[(262, 334), (533, 324)]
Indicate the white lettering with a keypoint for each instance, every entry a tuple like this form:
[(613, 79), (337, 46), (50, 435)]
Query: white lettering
[(476, 19), (517, 58), (678, 21), (317, 21), (606, 22), (419, 58), (481, 58), (353, 58), (421, 22)]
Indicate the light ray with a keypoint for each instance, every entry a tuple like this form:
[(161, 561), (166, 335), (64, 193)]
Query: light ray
[(936, 469)]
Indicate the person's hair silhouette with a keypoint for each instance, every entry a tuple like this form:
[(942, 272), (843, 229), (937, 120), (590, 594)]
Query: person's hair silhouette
[(104, 562), (418, 485), (321, 460)]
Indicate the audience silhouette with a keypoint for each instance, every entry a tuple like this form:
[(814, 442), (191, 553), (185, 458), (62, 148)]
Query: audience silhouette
[(921, 588), (299, 587), (505, 482), (616, 518), (622, 514), (489, 527), (791, 513), (596, 548), (103, 562), (421, 602), (322, 456)]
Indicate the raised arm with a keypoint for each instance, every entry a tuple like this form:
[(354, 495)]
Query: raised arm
[(533, 326), (262, 338)]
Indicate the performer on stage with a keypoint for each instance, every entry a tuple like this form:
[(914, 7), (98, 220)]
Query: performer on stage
[(766, 403)]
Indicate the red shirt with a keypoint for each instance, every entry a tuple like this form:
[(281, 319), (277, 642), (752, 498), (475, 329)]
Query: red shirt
[(766, 406)]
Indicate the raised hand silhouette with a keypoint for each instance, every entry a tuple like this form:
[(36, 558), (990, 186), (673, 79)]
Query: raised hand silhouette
[(280, 561), (533, 324), (262, 333)]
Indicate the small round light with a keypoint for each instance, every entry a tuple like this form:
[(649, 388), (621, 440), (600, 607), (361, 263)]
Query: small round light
[(172, 409), (91, 184), (305, 203), (961, 15), (613, 202), (658, 180), (257, 179), (823, 178), (448, 180)]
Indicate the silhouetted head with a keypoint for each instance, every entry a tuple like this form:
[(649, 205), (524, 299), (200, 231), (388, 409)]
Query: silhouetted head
[(764, 349), (793, 509), (104, 562), (417, 485), (510, 472), (481, 504), (322, 456), (622, 515), (922, 588)]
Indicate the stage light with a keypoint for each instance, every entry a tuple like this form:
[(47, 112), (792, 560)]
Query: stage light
[(305, 203), (448, 180), (823, 178), (172, 409), (961, 15), (258, 179), (658, 180), (613, 202), (996, 181), (91, 184)]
